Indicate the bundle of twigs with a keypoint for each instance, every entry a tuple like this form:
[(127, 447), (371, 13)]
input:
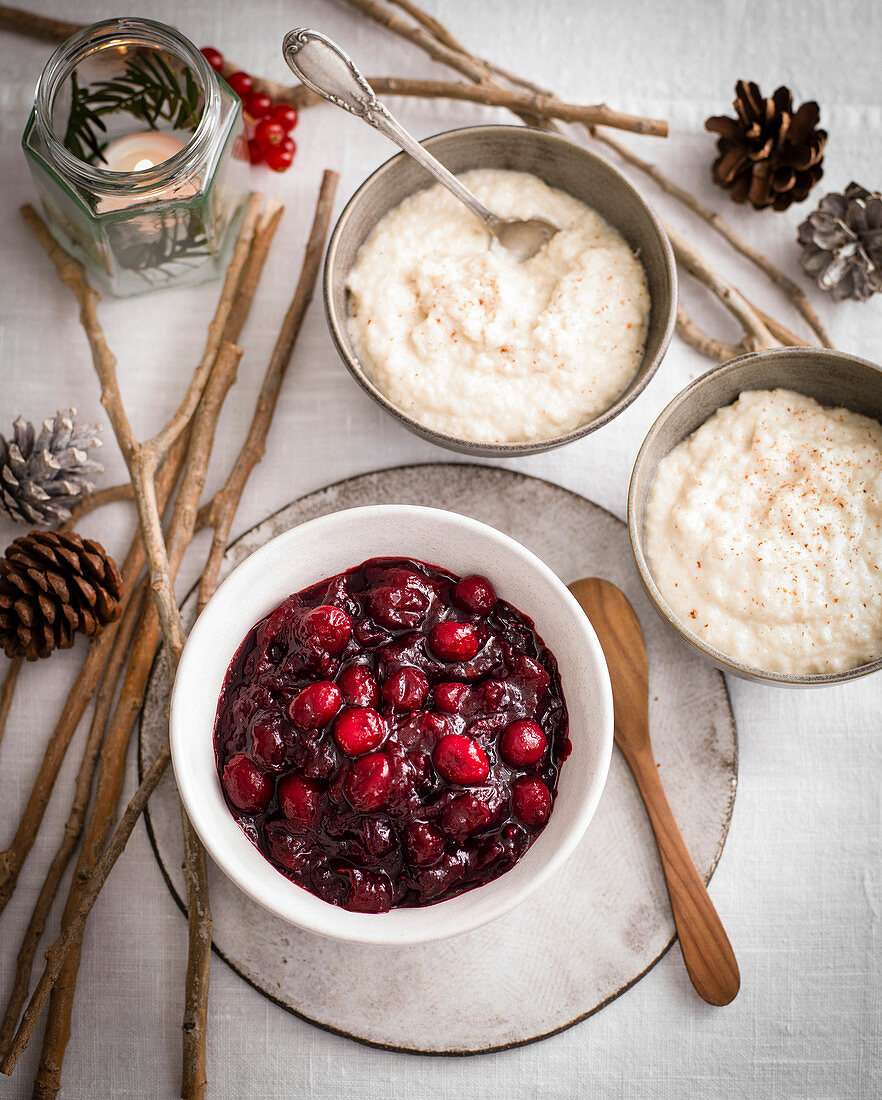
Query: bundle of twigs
[(180, 451)]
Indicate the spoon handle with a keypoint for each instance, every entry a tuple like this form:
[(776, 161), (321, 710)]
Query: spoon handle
[(325, 69), (707, 952)]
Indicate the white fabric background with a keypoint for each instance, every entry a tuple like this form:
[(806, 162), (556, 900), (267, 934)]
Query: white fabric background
[(799, 882)]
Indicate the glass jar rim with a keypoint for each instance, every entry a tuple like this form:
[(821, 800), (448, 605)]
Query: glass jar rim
[(107, 34)]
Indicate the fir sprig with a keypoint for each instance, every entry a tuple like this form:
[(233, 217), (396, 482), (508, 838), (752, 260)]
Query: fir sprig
[(148, 89)]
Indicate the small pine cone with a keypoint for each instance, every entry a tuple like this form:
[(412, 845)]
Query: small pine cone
[(842, 243), (42, 476), (51, 586), (769, 154)]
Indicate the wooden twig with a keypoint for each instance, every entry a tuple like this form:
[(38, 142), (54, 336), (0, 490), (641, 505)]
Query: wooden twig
[(115, 748), (718, 350), (226, 500), (91, 885), (757, 334), (7, 692), (37, 26), (720, 226), (74, 824)]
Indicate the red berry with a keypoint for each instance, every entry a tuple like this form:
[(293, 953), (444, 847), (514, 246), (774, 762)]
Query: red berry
[(465, 815), (406, 689), (288, 145), (300, 800), (280, 160), (452, 641), (285, 846), (241, 83), (460, 759), (214, 57), (452, 698), (258, 105), (358, 685), (286, 115), (522, 743), (533, 674), (255, 153), (368, 782), (247, 787), (268, 134), (315, 706), (359, 730), (530, 800), (475, 593), (369, 892), (329, 625), (423, 844), (267, 746)]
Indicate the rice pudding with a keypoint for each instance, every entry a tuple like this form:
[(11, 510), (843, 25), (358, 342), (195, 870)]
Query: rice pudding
[(474, 344), (764, 534)]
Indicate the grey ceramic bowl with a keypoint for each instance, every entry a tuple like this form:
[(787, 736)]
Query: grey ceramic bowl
[(560, 164), (830, 377)]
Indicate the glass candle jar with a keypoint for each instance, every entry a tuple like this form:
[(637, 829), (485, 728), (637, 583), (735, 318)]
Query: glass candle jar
[(138, 153)]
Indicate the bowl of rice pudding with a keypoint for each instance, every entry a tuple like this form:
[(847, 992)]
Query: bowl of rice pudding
[(755, 514), (472, 349)]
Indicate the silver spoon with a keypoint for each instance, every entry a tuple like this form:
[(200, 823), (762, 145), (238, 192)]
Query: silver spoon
[(324, 68)]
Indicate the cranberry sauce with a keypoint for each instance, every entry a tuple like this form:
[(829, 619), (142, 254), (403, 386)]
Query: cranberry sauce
[(392, 736)]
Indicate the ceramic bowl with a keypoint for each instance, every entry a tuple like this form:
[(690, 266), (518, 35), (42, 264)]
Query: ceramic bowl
[(331, 544), (831, 378), (560, 164)]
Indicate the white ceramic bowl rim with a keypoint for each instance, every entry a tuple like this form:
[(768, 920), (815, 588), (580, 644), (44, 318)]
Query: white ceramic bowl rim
[(716, 656), (251, 591)]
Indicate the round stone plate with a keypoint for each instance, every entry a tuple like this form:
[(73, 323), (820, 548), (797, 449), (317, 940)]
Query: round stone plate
[(593, 931)]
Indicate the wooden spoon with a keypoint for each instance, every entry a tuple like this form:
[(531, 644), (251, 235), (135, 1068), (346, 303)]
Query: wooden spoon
[(706, 949)]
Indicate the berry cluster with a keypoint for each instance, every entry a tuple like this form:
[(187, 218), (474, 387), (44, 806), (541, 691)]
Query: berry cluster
[(392, 736), (269, 125)]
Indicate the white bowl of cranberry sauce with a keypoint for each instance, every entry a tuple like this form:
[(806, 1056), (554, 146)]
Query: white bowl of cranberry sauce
[(391, 724)]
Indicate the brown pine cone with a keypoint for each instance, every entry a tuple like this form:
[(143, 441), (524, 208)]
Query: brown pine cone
[(769, 154), (51, 586)]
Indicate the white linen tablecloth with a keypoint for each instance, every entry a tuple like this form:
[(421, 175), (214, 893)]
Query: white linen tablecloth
[(798, 886)]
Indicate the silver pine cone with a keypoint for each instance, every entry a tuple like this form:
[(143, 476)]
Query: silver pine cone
[(42, 476), (842, 243)]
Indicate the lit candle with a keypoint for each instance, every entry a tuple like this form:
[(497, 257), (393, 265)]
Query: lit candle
[(137, 152)]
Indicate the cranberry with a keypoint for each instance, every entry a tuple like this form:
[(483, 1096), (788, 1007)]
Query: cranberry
[(491, 694), (369, 892), (300, 800), (214, 57), (258, 105), (331, 626), (475, 594), (247, 787), (359, 730), (423, 844), (255, 153), (315, 706), (286, 847), (522, 743), (267, 744), (531, 800), (399, 606), (359, 688), (465, 815), (460, 759), (406, 689), (241, 83), (452, 641), (452, 698), (533, 674), (286, 115), (368, 782)]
